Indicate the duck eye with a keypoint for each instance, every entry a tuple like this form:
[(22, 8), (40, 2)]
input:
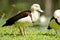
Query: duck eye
[(36, 6)]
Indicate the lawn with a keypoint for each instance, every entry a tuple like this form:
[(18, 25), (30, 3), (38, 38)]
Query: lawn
[(33, 33)]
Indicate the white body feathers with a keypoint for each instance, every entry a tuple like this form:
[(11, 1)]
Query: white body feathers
[(34, 12), (28, 19), (57, 15), (35, 17)]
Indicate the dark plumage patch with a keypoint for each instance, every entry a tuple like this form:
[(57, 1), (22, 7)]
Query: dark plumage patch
[(13, 19), (55, 21), (49, 22), (49, 27)]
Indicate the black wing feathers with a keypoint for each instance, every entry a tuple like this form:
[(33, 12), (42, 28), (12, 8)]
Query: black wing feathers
[(13, 19), (50, 21), (57, 21)]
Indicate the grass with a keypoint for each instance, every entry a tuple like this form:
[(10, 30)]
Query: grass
[(33, 33)]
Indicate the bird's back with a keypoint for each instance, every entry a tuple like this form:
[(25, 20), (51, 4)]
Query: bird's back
[(13, 19)]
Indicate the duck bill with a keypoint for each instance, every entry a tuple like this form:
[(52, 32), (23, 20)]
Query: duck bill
[(40, 10)]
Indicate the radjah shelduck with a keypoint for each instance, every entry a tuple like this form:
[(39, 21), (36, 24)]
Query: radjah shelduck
[(25, 18), (55, 21)]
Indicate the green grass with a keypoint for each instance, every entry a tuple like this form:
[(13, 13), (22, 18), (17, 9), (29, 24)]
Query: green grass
[(32, 33)]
